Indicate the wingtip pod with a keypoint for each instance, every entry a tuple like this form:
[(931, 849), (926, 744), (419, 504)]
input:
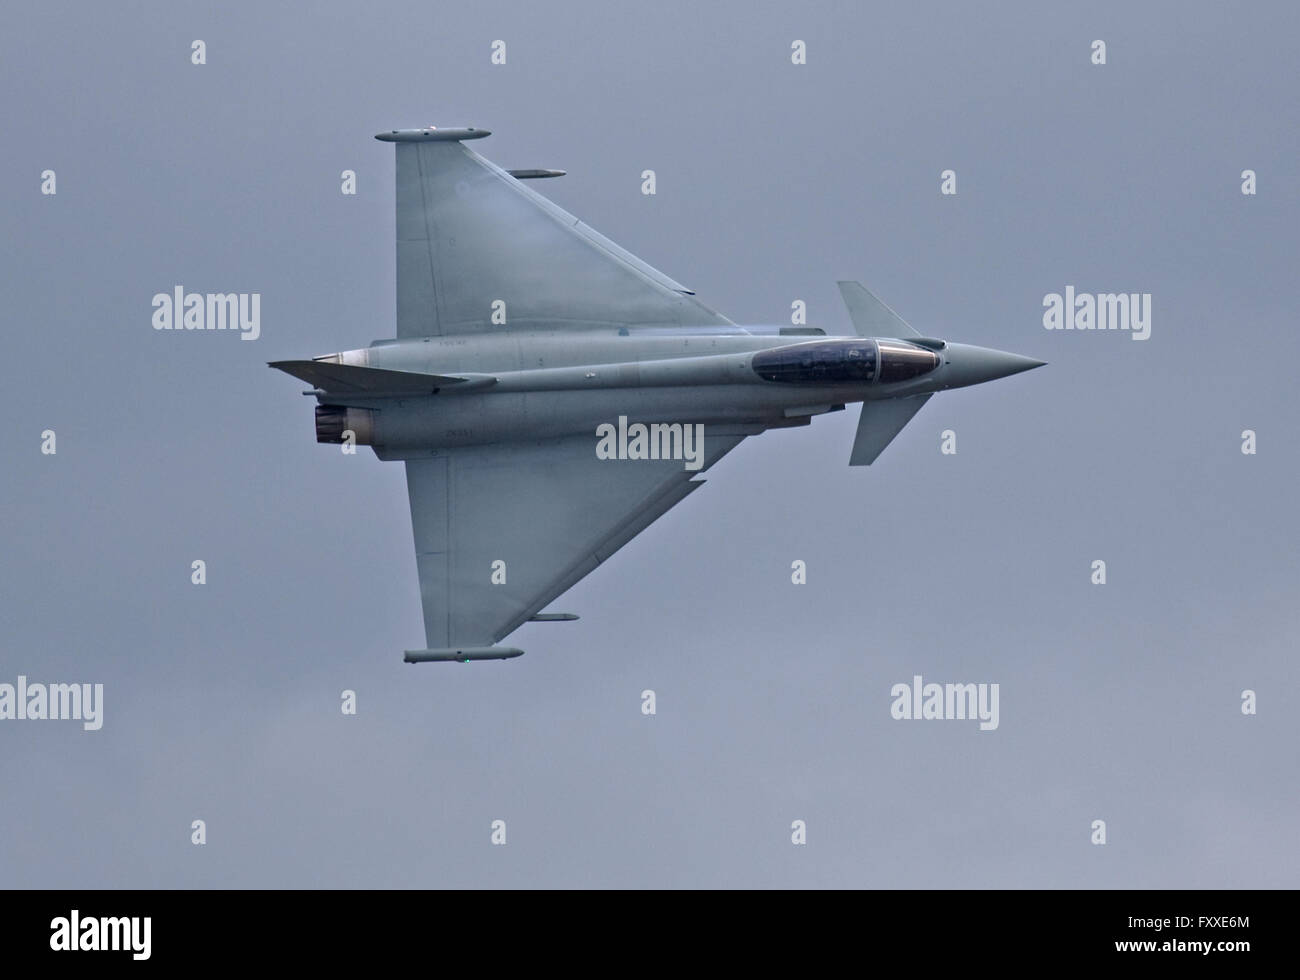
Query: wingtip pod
[(461, 654), (536, 174), (430, 134)]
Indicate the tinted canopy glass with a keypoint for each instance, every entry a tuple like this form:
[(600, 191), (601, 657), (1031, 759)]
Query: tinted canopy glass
[(829, 362), (903, 362)]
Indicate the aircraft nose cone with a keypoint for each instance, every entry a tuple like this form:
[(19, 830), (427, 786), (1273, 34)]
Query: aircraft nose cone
[(968, 365)]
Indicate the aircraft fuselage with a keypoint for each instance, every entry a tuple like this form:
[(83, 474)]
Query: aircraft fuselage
[(540, 385)]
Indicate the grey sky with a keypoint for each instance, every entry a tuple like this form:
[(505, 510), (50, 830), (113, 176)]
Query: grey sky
[(1118, 703)]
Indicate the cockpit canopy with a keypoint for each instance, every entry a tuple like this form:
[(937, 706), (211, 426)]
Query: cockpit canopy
[(901, 361), (845, 362)]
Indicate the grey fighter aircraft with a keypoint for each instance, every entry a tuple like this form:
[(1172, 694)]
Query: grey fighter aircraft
[(551, 394)]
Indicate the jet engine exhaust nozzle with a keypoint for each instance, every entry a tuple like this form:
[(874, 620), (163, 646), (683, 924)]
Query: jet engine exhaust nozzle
[(333, 422)]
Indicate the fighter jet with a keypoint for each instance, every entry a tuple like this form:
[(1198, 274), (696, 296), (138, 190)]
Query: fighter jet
[(552, 395)]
